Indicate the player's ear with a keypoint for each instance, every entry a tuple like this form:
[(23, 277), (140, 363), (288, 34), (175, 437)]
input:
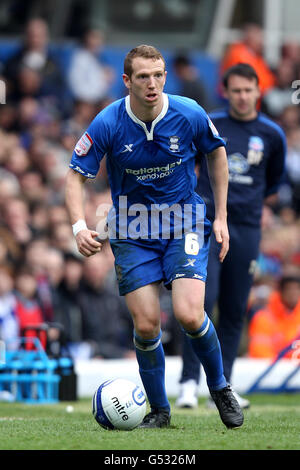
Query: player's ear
[(126, 80), (258, 92), (224, 91)]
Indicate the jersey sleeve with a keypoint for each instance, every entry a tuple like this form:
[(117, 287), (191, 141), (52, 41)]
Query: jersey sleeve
[(91, 147), (275, 170), (206, 135)]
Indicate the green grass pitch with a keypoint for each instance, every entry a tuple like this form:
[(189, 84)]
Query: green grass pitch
[(272, 422)]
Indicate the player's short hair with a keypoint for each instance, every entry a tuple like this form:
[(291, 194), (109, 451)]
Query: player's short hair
[(242, 70), (145, 51)]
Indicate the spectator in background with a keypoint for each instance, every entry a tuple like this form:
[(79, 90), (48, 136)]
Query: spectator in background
[(293, 167), (9, 186), (259, 294), (10, 250), (289, 119), (57, 214), (250, 50), (33, 187), (39, 219), (16, 218), (291, 51), (35, 257), (278, 324), (27, 308), (54, 271), (18, 161), (89, 79), (190, 84), (67, 310), (9, 325), (83, 112), (279, 245), (62, 238), (54, 266), (34, 66), (106, 323), (279, 97)]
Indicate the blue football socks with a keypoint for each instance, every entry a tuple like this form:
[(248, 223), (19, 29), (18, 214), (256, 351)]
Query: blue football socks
[(207, 347), (151, 359)]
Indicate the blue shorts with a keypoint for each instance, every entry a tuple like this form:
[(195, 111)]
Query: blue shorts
[(144, 261)]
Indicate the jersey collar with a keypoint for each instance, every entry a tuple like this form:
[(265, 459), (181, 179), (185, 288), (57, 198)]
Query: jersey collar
[(149, 134)]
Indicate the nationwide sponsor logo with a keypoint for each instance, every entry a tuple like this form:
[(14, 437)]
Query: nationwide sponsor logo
[(83, 145), (155, 172)]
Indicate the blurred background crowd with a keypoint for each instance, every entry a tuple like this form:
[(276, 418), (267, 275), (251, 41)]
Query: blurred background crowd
[(43, 280)]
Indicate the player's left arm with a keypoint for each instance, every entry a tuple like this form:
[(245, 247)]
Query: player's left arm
[(275, 170), (218, 174)]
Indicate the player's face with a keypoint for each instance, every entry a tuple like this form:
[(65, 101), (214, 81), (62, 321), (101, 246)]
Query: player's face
[(242, 94), (146, 85)]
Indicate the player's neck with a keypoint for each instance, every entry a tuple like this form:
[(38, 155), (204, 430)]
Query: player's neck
[(145, 113)]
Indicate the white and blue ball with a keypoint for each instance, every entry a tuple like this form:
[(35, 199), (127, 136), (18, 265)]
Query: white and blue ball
[(119, 404)]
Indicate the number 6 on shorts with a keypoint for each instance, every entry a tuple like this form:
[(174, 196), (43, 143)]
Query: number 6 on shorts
[(191, 245)]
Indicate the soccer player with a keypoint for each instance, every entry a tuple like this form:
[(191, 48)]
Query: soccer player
[(256, 152), (150, 140)]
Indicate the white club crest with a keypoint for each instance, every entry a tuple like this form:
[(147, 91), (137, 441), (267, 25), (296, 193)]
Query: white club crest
[(174, 143)]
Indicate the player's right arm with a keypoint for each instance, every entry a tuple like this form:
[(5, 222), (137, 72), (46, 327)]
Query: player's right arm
[(74, 198), (85, 164)]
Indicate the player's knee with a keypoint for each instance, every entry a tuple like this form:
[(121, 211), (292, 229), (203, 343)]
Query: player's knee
[(191, 317), (147, 328), (191, 323), (147, 331)]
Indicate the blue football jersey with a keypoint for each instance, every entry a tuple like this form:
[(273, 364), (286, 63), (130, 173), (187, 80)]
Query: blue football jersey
[(256, 160), (148, 162)]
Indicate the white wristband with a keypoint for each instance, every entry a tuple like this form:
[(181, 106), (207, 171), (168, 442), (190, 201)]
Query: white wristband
[(78, 226)]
